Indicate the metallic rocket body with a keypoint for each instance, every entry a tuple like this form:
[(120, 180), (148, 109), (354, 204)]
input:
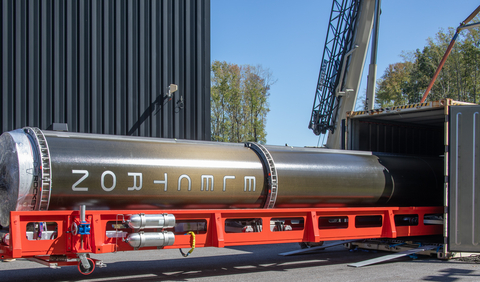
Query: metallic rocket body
[(42, 170)]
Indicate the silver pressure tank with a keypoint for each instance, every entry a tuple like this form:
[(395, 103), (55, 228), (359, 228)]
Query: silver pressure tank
[(42, 170), (142, 221), (151, 239)]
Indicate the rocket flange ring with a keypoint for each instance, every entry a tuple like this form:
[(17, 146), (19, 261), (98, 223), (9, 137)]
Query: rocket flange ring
[(43, 173), (270, 172)]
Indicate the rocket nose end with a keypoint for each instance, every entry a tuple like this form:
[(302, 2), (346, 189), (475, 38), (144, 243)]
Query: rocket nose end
[(8, 177), (8, 200), (16, 171)]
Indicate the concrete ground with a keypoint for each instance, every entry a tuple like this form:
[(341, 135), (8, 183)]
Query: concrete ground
[(249, 263)]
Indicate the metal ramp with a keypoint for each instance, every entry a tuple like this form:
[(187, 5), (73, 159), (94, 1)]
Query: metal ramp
[(393, 256), (308, 250)]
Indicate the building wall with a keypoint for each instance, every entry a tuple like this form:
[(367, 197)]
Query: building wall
[(105, 66)]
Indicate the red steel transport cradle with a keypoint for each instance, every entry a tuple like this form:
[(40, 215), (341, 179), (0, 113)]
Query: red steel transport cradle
[(313, 226)]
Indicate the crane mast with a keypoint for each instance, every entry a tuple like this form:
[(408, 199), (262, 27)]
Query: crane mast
[(346, 47)]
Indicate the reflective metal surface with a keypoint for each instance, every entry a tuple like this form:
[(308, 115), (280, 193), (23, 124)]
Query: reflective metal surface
[(323, 177), (112, 172), (314, 177), (150, 239), (141, 221), (16, 174), (147, 173)]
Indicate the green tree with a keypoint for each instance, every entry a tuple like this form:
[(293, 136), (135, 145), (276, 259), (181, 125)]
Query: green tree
[(406, 82), (257, 84), (471, 60), (220, 93), (239, 102), (391, 86)]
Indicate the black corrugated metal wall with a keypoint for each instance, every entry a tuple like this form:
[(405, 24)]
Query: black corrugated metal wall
[(105, 66)]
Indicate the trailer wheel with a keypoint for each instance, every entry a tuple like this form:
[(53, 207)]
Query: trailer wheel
[(86, 271)]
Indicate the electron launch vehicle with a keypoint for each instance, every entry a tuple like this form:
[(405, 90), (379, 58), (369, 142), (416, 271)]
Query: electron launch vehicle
[(48, 170)]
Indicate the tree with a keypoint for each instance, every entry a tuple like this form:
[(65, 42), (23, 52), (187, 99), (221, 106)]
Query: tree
[(471, 47), (392, 85), (239, 102), (406, 82)]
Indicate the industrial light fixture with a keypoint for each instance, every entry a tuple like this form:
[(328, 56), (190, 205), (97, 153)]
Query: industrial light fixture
[(172, 88)]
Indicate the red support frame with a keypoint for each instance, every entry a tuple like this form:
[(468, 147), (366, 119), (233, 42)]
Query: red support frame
[(350, 227)]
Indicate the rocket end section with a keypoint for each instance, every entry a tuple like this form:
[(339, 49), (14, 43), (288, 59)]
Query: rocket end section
[(8, 177), (16, 172)]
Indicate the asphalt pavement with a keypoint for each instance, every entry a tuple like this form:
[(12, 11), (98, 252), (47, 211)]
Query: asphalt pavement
[(249, 263)]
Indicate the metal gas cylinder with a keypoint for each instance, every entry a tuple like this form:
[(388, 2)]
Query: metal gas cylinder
[(150, 239), (141, 221)]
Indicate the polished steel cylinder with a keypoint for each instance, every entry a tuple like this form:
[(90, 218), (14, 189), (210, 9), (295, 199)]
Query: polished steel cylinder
[(42, 170), (82, 213), (317, 177), (150, 239), (142, 221)]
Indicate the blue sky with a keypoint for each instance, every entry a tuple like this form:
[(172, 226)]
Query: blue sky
[(287, 37)]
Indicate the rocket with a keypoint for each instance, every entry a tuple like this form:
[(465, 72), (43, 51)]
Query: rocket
[(49, 170)]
